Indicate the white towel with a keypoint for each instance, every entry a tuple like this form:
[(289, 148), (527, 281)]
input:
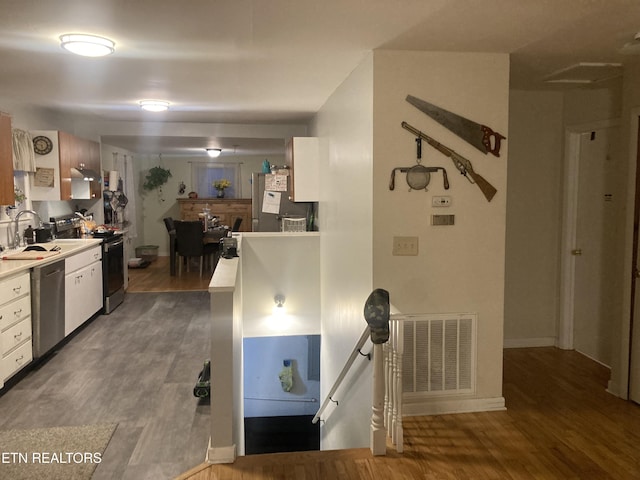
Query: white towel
[(24, 158)]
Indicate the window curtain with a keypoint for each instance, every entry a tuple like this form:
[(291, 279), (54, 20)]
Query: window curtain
[(24, 159), (204, 174)]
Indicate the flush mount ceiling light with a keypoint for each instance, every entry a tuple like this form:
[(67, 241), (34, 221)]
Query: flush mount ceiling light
[(87, 45), (214, 152), (154, 105)]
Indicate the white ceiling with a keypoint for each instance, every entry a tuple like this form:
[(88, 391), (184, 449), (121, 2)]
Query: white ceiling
[(275, 62)]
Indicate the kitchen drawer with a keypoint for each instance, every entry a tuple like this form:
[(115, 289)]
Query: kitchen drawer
[(82, 259), (14, 287), (14, 336), (16, 359), (15, 311)]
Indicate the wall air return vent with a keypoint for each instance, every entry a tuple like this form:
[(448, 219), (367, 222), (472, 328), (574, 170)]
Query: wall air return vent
[(585, 73)]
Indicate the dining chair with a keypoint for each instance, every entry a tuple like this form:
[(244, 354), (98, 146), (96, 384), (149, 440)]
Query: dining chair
[(236, 224), (169, 223), (190, 243)]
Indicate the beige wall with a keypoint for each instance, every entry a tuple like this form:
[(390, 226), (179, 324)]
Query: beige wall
[(538, 122), (534, 212), (620, 362), (459, 268)]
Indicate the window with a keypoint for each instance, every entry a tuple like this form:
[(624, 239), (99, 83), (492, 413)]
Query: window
[(204, 174)]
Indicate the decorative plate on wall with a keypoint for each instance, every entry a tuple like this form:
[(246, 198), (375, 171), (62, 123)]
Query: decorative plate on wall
[(42, 145)]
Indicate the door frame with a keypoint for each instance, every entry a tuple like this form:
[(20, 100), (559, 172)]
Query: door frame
[(569, 223)]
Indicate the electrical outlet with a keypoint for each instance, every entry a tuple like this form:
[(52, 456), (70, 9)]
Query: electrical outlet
[(405, 246), (441, 201)]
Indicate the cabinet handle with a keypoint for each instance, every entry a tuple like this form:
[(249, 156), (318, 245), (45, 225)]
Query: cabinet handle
[(18, 336), (17, 289), (17, 313), (18, 360)]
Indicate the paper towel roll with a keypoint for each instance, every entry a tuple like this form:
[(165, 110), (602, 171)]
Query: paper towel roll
[(113, 180)]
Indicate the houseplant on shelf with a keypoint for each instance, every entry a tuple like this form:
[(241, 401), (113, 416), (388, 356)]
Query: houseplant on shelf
[(220, 186)]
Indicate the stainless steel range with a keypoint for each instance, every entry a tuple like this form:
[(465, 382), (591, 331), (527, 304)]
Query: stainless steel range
[(113, 271)]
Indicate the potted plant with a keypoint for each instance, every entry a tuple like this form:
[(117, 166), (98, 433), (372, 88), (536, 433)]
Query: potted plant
[(220, 186), (156, 177)]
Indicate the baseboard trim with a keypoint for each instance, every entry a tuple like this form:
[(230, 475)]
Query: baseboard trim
[(221, 454), (432, 406), (530, 342)]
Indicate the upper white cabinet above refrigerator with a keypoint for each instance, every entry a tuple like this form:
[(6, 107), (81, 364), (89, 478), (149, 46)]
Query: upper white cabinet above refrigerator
[(302, 157)]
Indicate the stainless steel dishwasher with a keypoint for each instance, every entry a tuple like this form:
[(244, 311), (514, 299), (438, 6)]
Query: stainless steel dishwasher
[(47, 307)]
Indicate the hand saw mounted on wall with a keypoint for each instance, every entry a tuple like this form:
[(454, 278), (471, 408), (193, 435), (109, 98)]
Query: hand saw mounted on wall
[(480, 136), (461, 163)]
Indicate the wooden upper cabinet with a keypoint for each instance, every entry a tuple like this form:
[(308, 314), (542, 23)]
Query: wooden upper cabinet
[(302, 156), (6, 161), (77, 152)]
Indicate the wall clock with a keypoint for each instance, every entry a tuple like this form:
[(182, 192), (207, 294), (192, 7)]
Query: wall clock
[(42, 145)]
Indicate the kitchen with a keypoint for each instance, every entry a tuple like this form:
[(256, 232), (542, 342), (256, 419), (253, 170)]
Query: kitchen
[(55, 179)]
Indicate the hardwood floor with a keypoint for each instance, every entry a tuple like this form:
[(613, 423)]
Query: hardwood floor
[(135, 367), (156, 278), (559, 424)]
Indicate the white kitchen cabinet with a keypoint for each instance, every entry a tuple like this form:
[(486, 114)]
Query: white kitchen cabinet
[(303, 157), (15, 325), (82, 288)]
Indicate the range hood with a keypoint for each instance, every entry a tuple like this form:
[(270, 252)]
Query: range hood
[(85, 174)]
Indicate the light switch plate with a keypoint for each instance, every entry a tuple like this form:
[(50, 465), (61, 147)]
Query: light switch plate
[(405, 246), (441, 201)]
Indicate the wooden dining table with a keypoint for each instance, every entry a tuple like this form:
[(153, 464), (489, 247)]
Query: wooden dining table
[(212, 235)]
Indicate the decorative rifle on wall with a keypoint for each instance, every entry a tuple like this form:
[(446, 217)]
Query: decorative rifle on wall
[(461, 163)]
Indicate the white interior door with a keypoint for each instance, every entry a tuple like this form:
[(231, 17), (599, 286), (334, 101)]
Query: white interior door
[(593, 250)]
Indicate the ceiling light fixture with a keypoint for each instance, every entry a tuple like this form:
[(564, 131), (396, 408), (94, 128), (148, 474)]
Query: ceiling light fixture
[(87, 45), (214, 152), (154, 105)]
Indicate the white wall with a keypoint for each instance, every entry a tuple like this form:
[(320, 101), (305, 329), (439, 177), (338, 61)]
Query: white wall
[(280, 264), (345, 127), (263, 362), (459, 268)]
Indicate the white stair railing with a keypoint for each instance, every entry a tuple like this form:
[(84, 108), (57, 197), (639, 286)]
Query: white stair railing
[(354, 354), (393, 354)]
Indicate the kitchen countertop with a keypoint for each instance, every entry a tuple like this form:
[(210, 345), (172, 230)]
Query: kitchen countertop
[(68, 247)]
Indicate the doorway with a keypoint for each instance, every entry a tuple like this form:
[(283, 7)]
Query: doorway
[(281, 393), (591, 234)]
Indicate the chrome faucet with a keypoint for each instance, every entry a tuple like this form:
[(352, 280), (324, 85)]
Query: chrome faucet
[(16, 234)]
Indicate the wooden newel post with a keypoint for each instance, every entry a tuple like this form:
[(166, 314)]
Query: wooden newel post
[(378, 433), (376, 313)]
